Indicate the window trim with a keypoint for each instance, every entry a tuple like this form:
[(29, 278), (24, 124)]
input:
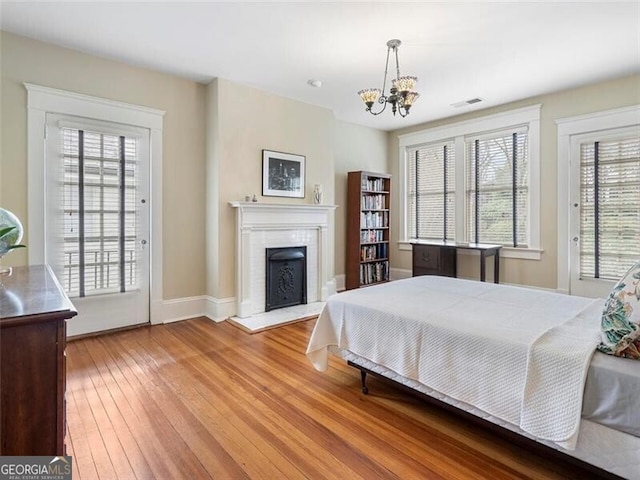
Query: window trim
[(568, 129), (526, 116)]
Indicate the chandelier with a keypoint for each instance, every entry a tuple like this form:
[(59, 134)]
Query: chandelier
[(401, 95)]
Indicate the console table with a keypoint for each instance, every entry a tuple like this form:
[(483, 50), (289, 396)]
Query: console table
[(33, 314), (440, 258)]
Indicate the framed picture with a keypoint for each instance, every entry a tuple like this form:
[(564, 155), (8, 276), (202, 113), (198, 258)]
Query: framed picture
[(282, 174)]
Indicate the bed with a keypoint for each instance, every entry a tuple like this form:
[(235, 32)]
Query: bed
[(546, 382)]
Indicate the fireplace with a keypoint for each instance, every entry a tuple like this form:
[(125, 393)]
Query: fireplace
[(286, 277), (267, 225)]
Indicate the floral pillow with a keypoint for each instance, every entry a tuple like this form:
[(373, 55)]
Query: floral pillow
[(620, 325)]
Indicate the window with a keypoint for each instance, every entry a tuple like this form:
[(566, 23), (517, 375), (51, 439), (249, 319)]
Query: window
[(432, 189), (475, 181), (99, 208), (609, 207), (497, 189)]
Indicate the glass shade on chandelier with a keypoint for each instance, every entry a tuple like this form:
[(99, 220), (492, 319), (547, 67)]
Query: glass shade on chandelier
[(401, 95), (404, 84), (369, 96)]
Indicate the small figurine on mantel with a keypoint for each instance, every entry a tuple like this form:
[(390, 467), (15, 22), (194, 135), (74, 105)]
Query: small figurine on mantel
[(317, 194)]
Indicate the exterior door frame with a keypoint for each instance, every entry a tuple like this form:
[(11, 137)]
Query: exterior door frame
[(43, 100), (568, 128)]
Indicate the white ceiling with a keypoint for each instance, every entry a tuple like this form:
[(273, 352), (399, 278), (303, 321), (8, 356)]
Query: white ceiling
[(498, 51)]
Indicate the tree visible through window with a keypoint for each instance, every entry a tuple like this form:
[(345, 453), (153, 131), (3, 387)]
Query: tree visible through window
[(492, 192), (496, 195), (497, 189)]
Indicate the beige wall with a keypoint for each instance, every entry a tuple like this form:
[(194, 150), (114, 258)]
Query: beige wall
[(356, 148), (26, 60), (213, 138), (242, 121), (602, 96)]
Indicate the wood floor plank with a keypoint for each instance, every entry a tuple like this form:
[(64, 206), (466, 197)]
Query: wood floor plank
[(197, 400), (148, 397), (374, 433), (189, 418), (271, 435), (115, 403), (95, 428), (83, 465), (229, 427)]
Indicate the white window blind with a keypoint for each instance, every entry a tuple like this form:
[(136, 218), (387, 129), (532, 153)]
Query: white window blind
[(99, 204), (609, 207), (497, 188), (431, 189)]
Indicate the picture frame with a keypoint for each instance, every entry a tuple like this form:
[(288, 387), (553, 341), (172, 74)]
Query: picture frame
[(283, 174)]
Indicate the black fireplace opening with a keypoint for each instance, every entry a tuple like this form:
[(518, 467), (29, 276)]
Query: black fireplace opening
[(286, 277)]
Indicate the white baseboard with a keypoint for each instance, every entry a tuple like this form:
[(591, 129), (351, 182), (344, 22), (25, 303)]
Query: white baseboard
[(399, 273), (168, 311), (219, 309), (216, 309)]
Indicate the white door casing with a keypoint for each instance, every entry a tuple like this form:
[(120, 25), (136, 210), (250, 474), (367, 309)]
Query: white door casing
[(43, 101), (572, 132)]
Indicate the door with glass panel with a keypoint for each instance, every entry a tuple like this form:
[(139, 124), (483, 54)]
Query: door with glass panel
[(605, 209), (97, 220)]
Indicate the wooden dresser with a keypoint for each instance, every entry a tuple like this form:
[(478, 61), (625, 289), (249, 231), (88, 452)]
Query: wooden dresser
[(33, 314)]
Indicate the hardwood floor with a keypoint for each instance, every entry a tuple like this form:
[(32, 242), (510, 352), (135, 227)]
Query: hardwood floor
[(199, 400)]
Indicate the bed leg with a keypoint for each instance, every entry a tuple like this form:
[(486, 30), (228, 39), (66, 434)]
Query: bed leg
[(363, 378)]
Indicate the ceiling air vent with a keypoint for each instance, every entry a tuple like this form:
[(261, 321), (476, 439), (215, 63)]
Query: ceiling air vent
[(464, 103)]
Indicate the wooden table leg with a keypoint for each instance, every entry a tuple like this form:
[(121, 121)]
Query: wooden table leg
[(496, 267), (483, 267)]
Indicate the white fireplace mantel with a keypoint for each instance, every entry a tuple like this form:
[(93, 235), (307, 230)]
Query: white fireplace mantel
[(270, 225)]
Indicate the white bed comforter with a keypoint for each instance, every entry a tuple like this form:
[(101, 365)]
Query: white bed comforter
[(519, 354)]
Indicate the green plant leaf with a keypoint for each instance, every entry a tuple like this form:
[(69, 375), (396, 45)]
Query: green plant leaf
[(6, 230)]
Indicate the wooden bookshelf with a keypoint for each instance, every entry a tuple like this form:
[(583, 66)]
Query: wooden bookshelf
[(368, 207)]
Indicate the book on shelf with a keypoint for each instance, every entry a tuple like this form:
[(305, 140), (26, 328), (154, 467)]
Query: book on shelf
[(370, 219), (373, 202), (371, 236), (373, 252), (373, 184), (374, 272)]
